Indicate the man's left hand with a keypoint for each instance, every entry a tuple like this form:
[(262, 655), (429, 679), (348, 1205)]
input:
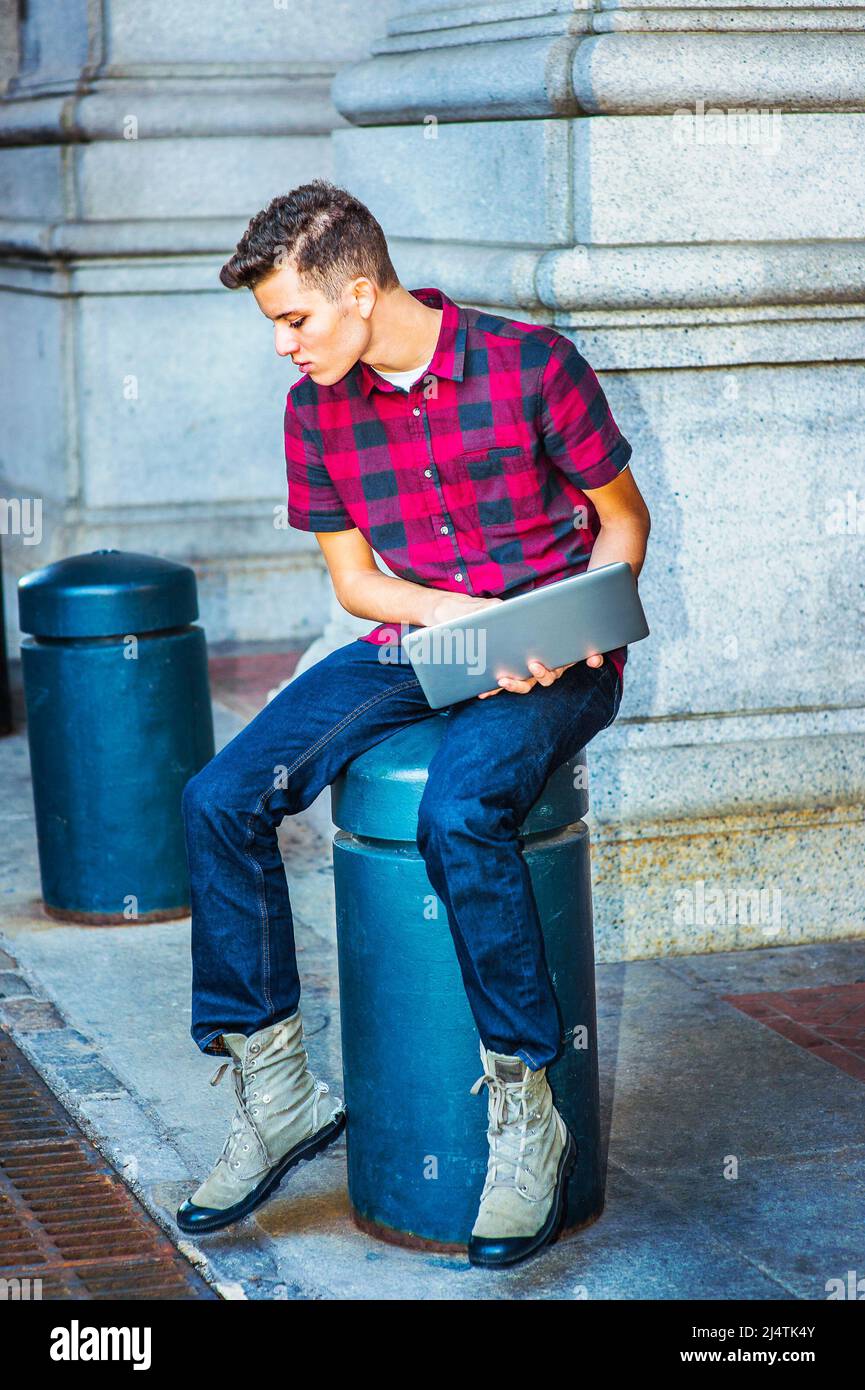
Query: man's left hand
[(541, 675)]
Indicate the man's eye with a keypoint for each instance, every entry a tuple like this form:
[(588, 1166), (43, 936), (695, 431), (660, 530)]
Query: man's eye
[(298, 322)]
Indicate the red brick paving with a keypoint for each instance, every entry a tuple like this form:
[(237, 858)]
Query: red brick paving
[(827, 1020), (241, 680)]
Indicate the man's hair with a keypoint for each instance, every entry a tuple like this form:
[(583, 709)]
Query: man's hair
[(329, 236)]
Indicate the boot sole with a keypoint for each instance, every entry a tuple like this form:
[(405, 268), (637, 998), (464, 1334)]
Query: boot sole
[(306, 1149), (551, 1227)]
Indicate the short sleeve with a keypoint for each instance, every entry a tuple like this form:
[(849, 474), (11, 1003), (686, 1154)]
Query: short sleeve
[(581, 438), (313, 501)]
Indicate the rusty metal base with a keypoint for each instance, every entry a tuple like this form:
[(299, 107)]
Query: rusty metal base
[(113, 919), (391, 1236)]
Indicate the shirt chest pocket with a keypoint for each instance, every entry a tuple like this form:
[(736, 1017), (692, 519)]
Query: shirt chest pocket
[(502, 485)]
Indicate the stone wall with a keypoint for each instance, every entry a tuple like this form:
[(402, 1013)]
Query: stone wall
[(142, 401), (679, 190)]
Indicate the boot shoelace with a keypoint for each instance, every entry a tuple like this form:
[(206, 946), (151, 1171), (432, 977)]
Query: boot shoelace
[(242, 1124), (507, 1132), (237, 1126)]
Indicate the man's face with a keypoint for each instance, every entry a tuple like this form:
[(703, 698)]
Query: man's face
[(324, 338)]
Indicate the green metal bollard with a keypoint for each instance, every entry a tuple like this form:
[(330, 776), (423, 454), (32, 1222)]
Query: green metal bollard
[(416, 1137), (118, 720)]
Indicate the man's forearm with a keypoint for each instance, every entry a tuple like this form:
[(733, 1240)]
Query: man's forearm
[(621, 542), (385, 599)]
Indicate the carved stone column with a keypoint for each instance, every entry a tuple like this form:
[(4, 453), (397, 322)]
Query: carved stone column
[(142, 402), (681, 191)]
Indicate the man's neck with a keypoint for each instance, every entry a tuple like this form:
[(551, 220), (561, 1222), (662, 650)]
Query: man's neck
[(405, 333)]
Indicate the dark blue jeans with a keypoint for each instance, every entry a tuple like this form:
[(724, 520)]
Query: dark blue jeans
[(491, 766)]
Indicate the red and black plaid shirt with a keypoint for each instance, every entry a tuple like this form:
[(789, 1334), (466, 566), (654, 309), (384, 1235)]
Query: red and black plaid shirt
[(472, 480)]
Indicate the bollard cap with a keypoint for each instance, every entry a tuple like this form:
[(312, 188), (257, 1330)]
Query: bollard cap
[(105, 593), (378, 793)]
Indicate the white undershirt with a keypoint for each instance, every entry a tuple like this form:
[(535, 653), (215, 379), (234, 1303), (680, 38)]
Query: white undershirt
[(405, 379)]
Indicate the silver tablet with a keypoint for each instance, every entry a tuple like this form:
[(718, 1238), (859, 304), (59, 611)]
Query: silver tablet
[(569, 620)]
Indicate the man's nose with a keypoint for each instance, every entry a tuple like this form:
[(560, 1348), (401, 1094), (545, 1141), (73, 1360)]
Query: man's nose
[(285, 342)]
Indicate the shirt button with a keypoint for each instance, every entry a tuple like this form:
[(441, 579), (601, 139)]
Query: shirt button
[(457, 575), (427, 473), (444, 530), (416, 410)]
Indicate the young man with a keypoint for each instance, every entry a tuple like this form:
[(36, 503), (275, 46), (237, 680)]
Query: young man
[(478, 456)]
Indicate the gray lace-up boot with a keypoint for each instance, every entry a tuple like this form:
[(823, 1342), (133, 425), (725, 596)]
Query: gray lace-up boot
[(280, 1119), (532, 1152)]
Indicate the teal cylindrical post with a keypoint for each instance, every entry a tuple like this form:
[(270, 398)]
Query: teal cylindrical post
[(118, 719), (416, 1137)]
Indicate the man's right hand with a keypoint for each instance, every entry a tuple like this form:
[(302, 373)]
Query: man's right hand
[(447, 606)]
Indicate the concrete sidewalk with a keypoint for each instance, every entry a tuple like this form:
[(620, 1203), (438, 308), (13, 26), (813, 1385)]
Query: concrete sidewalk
[(733, 1126)]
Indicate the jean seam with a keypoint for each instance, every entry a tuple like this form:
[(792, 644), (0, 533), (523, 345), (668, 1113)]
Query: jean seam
[(519, 935), (617, 697), (262, 802), (217, 1033), (527, 1057), (529, 979)]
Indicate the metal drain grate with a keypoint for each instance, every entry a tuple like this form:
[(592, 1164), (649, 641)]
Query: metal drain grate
[(66, 1218)]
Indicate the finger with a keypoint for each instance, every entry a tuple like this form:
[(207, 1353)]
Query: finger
[(520, 686), (543, 674), (485, 693), (596, 660)]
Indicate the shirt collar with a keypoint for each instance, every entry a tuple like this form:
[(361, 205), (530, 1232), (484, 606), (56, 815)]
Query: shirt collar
[(449, 356)]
